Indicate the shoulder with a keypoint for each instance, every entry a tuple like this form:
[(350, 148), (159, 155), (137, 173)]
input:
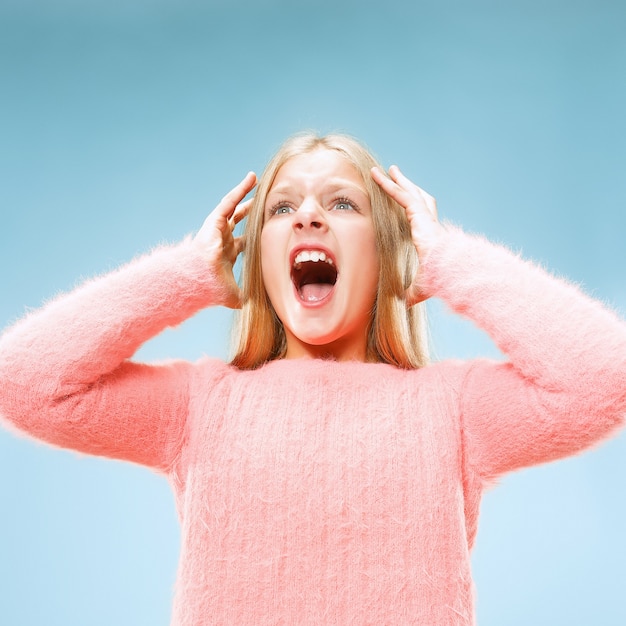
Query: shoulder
[(210, 369), (448, 373)]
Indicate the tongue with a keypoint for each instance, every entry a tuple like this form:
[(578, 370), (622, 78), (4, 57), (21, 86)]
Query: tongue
[(314, 292)]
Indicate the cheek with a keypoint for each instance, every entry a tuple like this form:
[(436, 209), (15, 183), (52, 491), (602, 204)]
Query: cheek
[(369, 266), (270, 263), (372, 276)]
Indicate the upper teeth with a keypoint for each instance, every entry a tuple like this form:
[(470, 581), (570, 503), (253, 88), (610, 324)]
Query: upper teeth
[(311, 255)]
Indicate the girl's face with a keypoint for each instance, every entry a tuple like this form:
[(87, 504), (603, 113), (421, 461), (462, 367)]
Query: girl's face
[(318, 256)]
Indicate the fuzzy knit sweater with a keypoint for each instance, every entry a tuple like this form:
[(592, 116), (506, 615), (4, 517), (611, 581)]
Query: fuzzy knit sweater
[(316, 492)]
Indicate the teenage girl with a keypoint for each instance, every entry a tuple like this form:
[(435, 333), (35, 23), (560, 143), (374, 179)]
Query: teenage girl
[(329, 474)]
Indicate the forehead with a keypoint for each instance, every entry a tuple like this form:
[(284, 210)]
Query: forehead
[(316, 169)]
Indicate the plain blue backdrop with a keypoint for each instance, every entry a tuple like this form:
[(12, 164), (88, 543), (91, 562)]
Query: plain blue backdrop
[(123, 122)]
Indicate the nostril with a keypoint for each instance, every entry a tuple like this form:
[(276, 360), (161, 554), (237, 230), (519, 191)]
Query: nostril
[(299, 225)]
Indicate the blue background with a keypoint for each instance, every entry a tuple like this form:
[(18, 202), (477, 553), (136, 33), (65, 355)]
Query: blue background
[(122, 123)]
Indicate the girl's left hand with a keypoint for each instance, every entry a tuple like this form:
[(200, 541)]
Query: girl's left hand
[(421, 212)]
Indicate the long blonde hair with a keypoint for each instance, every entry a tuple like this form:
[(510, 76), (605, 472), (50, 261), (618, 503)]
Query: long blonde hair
[(397, 333)]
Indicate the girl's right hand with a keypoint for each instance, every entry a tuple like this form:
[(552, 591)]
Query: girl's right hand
[(218, 242)]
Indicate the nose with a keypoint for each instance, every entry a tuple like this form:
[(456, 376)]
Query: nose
[(310, 215)]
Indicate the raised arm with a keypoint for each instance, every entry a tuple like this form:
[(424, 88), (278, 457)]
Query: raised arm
[(65, 374), (564, 387)]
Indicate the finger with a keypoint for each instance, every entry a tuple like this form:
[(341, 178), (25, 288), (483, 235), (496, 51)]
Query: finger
[(241, 211), (240, 245), (399, 178), (391, 188), (234, 197), (396, 174)]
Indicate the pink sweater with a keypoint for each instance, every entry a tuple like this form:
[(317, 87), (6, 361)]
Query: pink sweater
[(316, 492)]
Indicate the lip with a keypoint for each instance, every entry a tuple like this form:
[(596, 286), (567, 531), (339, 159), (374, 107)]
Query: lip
[(311, 245)]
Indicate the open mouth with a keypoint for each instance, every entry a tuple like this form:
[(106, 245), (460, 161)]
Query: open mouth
[(314, 275)]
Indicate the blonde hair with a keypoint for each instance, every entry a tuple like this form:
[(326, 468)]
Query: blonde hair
[(397, 333)]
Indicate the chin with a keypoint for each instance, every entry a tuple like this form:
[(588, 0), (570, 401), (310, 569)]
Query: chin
[(316, 340)]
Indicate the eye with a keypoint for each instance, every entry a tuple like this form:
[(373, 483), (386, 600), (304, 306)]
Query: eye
[(344, 204), (280, 208)]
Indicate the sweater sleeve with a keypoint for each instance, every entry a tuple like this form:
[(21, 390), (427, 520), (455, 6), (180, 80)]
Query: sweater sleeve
[(564, 385), (65, 373)]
